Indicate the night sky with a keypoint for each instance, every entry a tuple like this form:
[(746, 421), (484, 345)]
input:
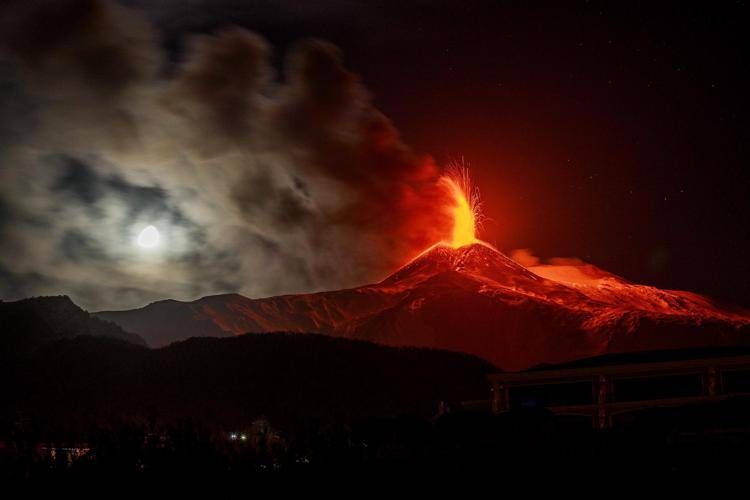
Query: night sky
[(617, 134)]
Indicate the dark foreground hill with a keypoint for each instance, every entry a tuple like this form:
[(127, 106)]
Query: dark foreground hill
[(27, 324), (227, 383), (98, 408)]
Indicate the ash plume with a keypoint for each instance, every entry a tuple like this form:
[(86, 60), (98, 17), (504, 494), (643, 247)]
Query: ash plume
[(571, 270), (262, 180)]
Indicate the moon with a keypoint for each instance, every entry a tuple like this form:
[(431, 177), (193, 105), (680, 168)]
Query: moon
[(149, 237)]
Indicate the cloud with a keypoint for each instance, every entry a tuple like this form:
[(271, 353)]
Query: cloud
[(79, 247), (260, 181), (525, 257), (221, 90), (80, 181), (567, 270), (92, 48)]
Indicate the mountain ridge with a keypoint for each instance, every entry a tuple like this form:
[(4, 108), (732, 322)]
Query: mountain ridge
[(473, 299), (28, 324)]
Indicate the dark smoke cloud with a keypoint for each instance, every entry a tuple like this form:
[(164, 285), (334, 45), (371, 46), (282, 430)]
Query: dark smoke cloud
[(259, 181), (326, 108), (288, 206), (99, 48), (222, 89)]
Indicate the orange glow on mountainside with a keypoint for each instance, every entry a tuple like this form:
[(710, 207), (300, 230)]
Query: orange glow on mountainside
[(466, 210)]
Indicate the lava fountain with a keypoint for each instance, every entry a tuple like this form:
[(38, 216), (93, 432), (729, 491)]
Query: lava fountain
[(466, 209)]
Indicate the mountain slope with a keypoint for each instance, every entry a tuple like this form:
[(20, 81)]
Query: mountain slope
[(30, 323), (473, 299)]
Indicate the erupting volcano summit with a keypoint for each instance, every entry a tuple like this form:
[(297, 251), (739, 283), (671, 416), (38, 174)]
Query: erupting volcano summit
[(466, 209), (464, 295)]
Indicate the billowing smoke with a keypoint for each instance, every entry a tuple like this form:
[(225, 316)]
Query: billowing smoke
[(260, 181), (569, 270)]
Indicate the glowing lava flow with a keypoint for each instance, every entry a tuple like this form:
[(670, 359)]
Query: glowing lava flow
[(466, 211)]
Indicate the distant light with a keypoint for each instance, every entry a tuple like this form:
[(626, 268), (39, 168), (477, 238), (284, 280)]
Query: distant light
[(233, 436), (149, 237), (243, 437)]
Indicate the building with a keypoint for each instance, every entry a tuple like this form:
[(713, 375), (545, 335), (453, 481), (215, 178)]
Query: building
[(608, 387)]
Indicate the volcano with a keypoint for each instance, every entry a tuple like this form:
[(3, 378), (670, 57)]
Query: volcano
[(472, 299)]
